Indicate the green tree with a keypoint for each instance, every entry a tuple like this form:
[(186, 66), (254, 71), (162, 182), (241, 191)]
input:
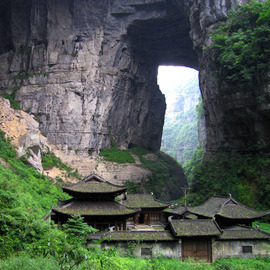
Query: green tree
[(241, 46), (77, 228), (67, 245)]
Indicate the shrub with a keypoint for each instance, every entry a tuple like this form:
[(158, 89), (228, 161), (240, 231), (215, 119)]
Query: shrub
[(116, 155)]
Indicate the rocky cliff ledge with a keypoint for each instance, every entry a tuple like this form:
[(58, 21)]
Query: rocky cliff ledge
[(87, 70)]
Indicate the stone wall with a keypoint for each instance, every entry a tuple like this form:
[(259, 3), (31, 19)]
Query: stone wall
[(234, 248), (170, 249)]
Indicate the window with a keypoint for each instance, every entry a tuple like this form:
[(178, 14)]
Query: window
[(130, 219), (154, 217), (247, 249), (146, 252)]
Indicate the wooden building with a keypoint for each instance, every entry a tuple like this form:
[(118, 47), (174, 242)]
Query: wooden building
[(196, 236), (225, 209), (94, 199), (218, 228), (151, 209), (221, 223)]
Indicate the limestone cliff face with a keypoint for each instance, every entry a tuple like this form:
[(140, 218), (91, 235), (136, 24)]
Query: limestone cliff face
[(87, 69), (235, 119)]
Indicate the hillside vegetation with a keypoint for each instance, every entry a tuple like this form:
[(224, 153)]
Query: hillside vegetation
[(27, 242), (241, 47), (167, 175)]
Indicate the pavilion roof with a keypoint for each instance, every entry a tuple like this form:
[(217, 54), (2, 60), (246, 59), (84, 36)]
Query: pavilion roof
[(143, 201), (94, 184), (99, 208), (226, 207), (180, 210), (240, 232), (195, 227), (134, 236)]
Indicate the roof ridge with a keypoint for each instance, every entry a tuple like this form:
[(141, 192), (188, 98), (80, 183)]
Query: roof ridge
[(93, 175), (240, 204), (133, 208), (146, 194)]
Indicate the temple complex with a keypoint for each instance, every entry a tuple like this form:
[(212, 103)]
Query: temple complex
[(220, 227)]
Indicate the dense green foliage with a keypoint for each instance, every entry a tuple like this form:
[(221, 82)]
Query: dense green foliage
[(243, 176), (242, 45), (166, 172), (110, 260), (262, 226), (194, 164), (25, 196)]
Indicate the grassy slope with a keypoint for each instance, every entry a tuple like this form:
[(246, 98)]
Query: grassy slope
[(167, 175), (25, 196)]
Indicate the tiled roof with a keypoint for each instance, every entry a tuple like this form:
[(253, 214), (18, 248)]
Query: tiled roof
[(240, 212), (101, 208), (237, 232), (134, 236), (143, 201), (180, 210), (210, 207), (226, 207), (197, 227), (94, 184)]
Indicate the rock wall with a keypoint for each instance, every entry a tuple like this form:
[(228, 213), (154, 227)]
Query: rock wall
[(235, 119), (87, 69)]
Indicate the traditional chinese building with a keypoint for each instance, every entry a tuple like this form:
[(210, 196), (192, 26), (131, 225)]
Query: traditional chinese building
[(94, 199), (221, 227), (224, 209), (151, 209)]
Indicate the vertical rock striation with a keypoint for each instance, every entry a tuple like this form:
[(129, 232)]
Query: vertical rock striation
[(235, 119), (87, 69)]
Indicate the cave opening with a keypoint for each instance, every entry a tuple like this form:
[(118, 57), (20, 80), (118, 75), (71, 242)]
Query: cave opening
[(160, 43), (180, 85)]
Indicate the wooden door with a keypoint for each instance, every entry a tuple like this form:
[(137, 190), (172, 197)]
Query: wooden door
[(197, 248)]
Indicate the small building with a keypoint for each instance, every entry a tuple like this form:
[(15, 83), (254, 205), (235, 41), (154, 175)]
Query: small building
[(227, 211), (151, 209), (220, 227), (197, 236), (94, 199)]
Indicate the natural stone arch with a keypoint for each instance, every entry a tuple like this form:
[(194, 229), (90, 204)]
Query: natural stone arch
[(154, 33), (84, 73)]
